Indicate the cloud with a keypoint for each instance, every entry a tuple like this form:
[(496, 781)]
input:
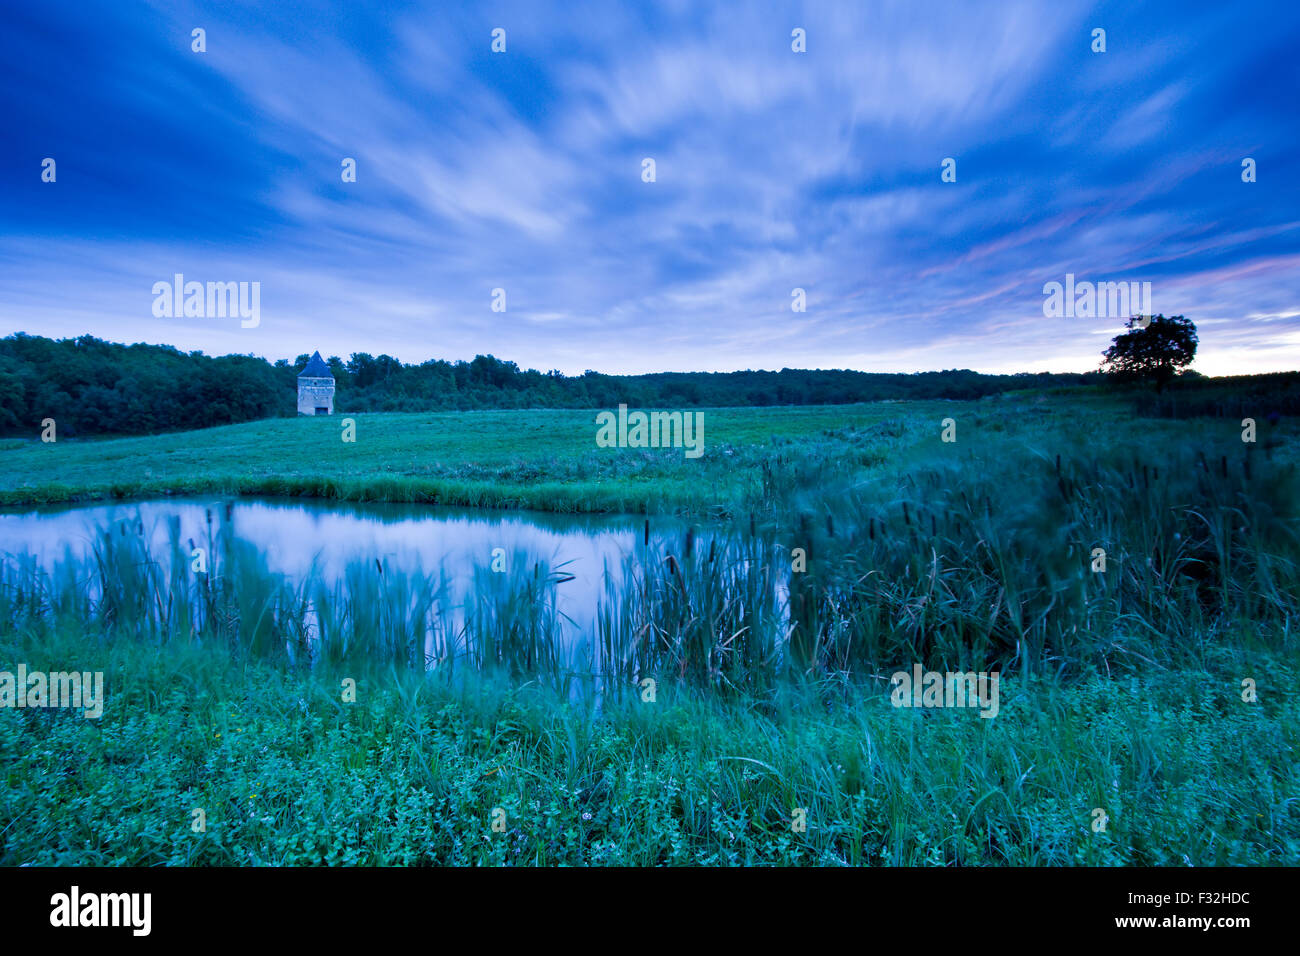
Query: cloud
[(775, 170)]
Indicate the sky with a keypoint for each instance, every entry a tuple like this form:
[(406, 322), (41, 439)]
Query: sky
[(774, 170)]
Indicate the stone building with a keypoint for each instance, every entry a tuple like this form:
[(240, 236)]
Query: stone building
[(316, 388)]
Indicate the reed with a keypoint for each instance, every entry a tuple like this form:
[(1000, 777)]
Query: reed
[(1121, 687), (980, 561)]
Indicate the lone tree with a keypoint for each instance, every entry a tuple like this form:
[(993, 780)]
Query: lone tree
[(1154, 353)]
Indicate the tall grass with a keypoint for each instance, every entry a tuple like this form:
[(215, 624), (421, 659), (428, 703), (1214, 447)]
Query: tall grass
[(224, 682), (411, 774), (974, 560), (982, 562)]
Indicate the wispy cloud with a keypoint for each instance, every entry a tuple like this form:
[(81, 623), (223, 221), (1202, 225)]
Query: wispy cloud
[(775, 170)]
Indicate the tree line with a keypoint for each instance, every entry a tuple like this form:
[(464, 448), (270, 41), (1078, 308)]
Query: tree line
[(91, 386)]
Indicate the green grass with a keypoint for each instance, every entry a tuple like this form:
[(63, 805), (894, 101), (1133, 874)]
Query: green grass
[(535, 459), (545, 460), (410, 774), (1121, 690)]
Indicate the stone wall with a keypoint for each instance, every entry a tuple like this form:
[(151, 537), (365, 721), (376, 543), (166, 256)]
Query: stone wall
[(314, 393)]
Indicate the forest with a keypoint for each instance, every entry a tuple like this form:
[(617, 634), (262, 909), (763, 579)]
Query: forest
[(91, 387)]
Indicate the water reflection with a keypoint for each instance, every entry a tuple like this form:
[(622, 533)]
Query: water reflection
[(299, 538)]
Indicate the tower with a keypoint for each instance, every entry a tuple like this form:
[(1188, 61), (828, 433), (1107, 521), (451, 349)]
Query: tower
[(316, 388)]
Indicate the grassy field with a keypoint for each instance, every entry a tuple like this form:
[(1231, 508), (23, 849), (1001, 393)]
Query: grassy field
[(1122, 690), (536, 459), (544, 460), (410, 774)]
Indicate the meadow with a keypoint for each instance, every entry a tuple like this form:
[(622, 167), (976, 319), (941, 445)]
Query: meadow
[(1122, 694), (536, 459)]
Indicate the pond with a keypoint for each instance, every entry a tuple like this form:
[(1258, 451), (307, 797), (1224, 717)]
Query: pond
[(582, 560), (300, 537)]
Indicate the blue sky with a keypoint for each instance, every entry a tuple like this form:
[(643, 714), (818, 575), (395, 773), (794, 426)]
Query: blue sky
[(775, 170)]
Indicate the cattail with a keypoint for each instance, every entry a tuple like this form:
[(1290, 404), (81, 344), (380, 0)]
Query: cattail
[(690, 542), (646, 536), (907, 518), (830, 525)]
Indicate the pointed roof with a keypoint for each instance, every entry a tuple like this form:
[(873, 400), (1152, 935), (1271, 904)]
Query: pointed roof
[(316, 368)]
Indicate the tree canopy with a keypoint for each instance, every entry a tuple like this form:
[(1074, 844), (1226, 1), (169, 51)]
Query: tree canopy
[(1154, 352), (90, 386)]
